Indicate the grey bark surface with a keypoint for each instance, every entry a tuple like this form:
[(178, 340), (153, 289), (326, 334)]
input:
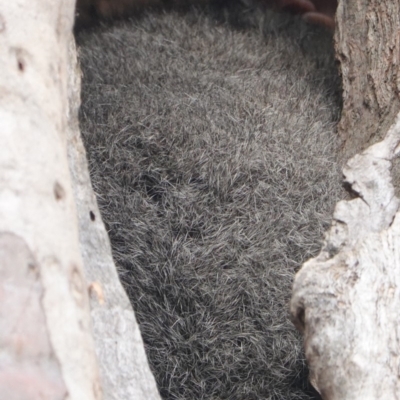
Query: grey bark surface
[(46, 344), (367, 47), (125, 373), (346, 300)]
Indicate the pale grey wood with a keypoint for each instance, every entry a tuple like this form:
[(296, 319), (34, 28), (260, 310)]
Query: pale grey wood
[(46, 344), (346, 301), (125, 373)]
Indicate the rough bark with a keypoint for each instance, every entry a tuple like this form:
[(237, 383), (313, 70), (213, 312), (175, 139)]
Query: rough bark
[(346, 300), (46, 343), (367, 47), (125, 373)]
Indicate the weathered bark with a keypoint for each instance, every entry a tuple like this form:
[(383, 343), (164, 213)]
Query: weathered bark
[(47, 348), (46, 343), (125, 373), (367, 47), (346, 300)]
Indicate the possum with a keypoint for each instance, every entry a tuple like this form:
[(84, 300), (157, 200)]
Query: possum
[(210, 135)]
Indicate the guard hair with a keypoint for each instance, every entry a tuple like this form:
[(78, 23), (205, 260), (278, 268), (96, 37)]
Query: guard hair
[(210, 134)]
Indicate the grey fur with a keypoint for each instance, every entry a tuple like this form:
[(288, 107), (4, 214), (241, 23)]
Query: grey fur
[(211, 140)]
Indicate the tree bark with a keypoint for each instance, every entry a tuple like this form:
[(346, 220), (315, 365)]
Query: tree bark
[(124, 370), (367, 48), (46, 222), (47, 349), (346, 300)]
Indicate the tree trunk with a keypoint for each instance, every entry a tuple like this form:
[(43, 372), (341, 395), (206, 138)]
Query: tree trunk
[(124, 370), (346, 301), (47, 222), (367, 47), (47, 348)]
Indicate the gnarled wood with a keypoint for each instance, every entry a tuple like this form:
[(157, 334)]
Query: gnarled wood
[(346, 301)]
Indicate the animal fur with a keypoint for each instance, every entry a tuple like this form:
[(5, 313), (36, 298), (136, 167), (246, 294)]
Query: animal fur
[(211, 140)]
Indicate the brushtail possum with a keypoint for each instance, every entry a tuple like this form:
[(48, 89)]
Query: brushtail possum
[(210, 134)]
